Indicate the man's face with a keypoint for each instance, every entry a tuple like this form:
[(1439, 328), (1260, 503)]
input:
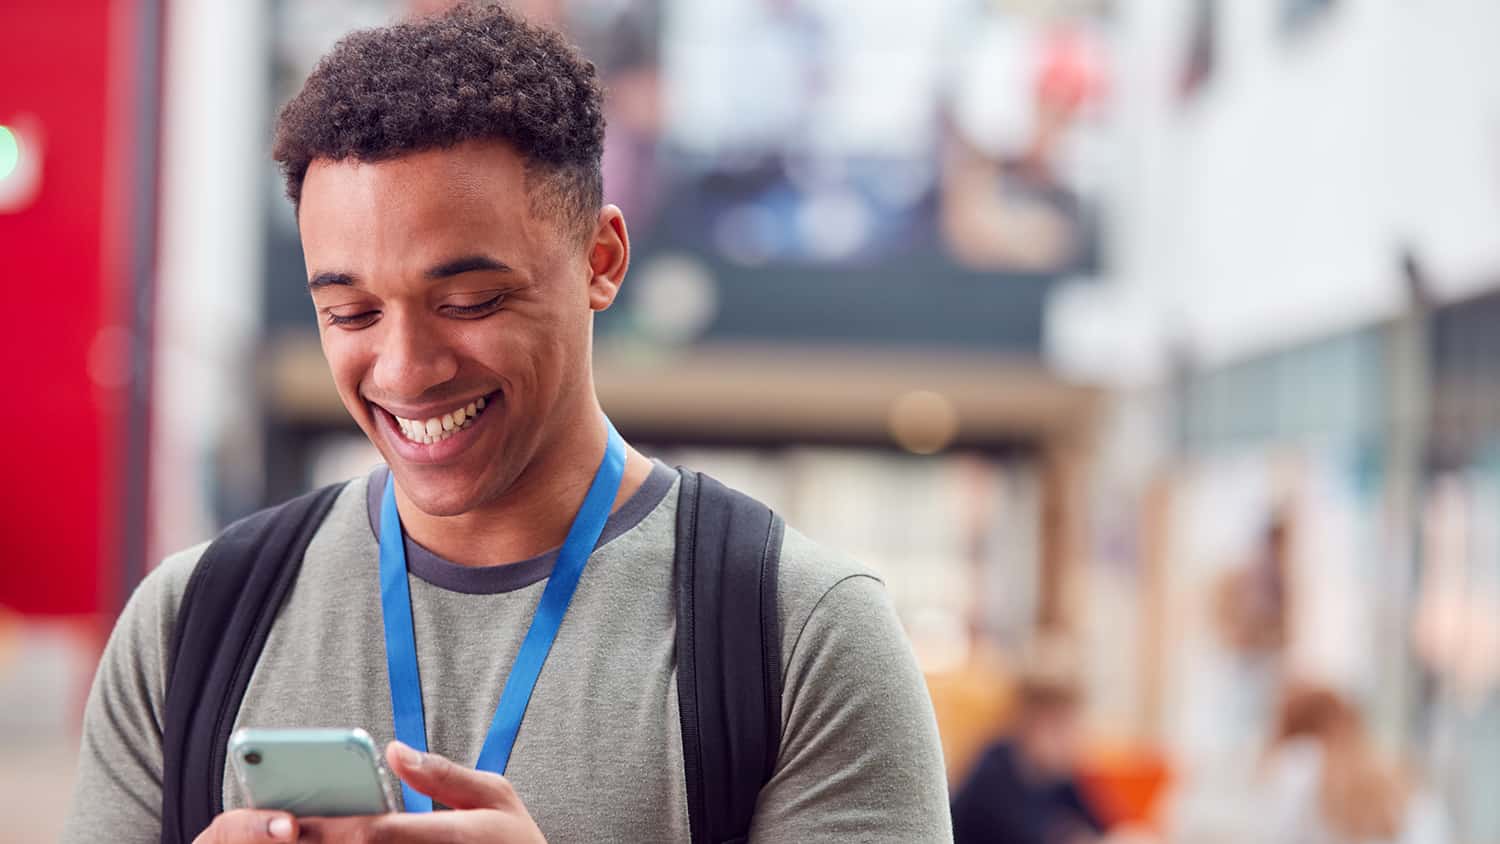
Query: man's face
[(456, 322), (1050, 739)]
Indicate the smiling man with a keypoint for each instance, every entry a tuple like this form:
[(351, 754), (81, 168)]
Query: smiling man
[(446, 173)]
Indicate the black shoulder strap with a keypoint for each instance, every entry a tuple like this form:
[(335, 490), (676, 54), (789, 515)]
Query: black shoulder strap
[(728, 653), (236, 589)]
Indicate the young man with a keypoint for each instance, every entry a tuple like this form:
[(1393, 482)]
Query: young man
[(446, 176)]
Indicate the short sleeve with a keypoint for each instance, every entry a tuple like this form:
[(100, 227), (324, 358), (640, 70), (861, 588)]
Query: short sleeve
[(117, 794), (860, 758)]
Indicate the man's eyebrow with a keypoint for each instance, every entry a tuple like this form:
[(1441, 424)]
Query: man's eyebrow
[(457, 266), (329, 279), (467, 264)]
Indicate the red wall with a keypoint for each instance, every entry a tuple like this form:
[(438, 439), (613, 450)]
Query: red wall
[(63, 278)]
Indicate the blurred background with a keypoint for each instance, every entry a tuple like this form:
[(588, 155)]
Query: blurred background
[(1148, 347)]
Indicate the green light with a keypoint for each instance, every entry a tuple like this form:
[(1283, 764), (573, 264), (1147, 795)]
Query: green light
[(10, 152)]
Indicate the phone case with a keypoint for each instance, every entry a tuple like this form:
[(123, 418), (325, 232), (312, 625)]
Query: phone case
[(311, 772)]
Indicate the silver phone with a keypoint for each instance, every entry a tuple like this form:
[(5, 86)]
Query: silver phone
[(311, 772)]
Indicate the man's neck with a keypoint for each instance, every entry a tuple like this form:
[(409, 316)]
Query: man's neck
[(534, 514)]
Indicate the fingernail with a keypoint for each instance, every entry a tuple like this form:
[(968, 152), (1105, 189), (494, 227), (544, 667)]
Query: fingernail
[(280, 828), (410, 758)]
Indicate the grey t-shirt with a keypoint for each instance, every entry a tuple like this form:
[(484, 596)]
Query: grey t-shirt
[(599, 755)]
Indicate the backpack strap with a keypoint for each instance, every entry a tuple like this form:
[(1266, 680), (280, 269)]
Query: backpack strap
[(728, 653), (231, 600)]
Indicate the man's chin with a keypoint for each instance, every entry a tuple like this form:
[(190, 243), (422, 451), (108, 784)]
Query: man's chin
[(438, 497), (441, 507)]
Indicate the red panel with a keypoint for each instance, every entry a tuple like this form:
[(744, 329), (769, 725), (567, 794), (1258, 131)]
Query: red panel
[(59, 427)]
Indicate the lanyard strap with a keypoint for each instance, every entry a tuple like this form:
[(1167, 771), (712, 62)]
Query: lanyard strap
[(400, 638)]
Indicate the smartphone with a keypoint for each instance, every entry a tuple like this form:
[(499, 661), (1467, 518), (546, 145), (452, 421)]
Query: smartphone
[(311, 773)]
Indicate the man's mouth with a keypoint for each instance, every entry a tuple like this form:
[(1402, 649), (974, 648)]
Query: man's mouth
[(435, 429)]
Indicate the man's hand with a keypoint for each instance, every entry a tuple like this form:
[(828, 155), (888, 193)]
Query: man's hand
[(249, 826), (486, 809)]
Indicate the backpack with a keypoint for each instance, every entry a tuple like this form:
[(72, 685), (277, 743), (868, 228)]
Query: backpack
[(728, 652)]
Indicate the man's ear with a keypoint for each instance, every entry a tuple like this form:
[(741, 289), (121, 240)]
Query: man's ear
[(609, 258)]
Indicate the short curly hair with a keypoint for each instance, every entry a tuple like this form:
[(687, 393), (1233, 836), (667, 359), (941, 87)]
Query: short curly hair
[(475, 72)]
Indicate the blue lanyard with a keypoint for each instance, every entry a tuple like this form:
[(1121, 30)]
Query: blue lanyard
[(401, 643)]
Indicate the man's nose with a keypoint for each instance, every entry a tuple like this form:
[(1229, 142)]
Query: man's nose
[(412, 358)]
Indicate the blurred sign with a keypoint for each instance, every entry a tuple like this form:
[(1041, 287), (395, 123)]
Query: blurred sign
[(65, 267), (20, 162)]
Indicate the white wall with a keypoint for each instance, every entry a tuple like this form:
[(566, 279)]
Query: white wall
[(1445, 137), (1272, 206)]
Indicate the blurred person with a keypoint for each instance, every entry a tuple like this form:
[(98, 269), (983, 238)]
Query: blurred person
[(1024, 789), (1011, 209), (446, 177), (1324, 783), (1252, 602)]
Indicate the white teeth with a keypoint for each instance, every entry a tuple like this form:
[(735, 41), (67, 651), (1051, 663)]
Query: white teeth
[(439, 428)]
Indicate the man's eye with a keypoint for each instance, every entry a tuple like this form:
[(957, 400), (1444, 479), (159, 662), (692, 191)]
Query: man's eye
[(359, 320), (482, 309)]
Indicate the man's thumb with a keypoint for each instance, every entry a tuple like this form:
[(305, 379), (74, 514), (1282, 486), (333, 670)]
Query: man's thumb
[(250, 825), (448, 782)]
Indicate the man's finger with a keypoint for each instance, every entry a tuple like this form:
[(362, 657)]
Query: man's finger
[(449, 783), (250, 826), (341, 830), (512, 827)]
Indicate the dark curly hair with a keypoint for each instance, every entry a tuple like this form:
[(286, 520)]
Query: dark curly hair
[(474, 72)]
